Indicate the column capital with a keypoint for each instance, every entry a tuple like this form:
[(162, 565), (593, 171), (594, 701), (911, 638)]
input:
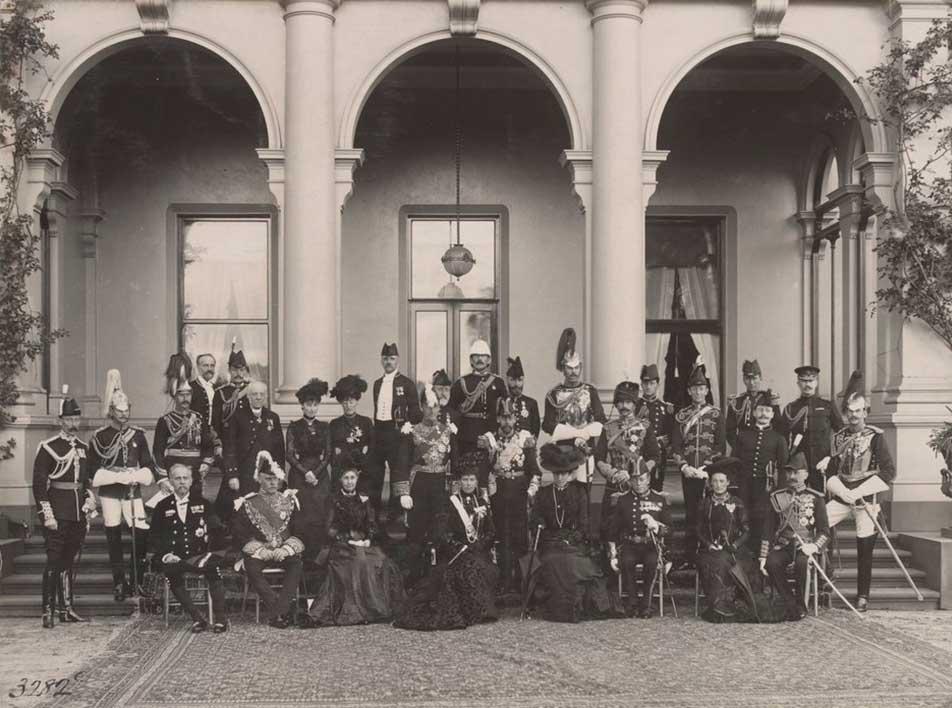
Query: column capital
[(651, 160), (319, 8), (878, 173), (346, 162), (767, 16), (616, 9), (807, 221), (273, 158), (89, 231), (915, 10), (849, 201), (579, 165)]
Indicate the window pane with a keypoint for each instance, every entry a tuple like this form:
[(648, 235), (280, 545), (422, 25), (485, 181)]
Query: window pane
[(429, 239), (430, 344), (675, 354), (473, 325), (215, 339), (683, 276), (225, 264)]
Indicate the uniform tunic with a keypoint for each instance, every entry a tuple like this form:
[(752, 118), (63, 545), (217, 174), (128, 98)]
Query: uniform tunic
[(247, 435), (630, 532), (622, 442), (763, 453), (183, 439), (434, 454), (816, 419), (660, 416), (227, 401), (740, 416), (527, 414), (474, 399), (110, 448), (391, 448), (60, 489)]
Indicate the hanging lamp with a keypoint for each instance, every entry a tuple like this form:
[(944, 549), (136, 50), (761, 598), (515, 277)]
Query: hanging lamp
[(458, 260)]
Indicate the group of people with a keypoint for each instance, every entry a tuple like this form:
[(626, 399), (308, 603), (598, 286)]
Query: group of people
[(492, 498)]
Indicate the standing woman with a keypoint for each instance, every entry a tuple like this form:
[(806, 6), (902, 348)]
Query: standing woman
[(351, 433), (362, 584), (570, 586), (461, 591)]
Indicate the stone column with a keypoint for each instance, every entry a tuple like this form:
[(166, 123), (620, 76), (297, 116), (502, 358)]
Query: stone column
[(309, 333), (849, 201), (618, 223), (579, 164), (807, 221), (90, 219)]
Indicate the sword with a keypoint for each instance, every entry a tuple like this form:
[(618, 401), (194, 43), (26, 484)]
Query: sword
[(823, 575), (893, 550)]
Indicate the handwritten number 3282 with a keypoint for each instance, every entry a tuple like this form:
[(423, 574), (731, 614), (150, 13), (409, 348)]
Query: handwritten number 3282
[(55, 687)]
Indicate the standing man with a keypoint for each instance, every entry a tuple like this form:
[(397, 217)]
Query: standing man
[(624, 440), (573, 410), (660, 416), (697, 441), (441, 387), (740, 409), (252, 429), (230, 397), (809, 423), (526, 409), (797, 528), (861, 467), (64, 501), (763, 453), (121, 463), (184, 531), (395, 403), (182, 436), (474, 400), (203, 387)]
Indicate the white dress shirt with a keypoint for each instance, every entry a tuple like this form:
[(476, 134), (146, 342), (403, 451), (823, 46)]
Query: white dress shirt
[(182, 507), (209, 388), (385, 399)]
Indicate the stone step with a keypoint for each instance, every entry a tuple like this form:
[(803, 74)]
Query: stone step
[(893, 598), (87, 582), (91, 605)]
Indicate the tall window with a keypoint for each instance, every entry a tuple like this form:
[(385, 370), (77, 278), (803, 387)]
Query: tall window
[(225, 288), (684, 300), (446, 315)]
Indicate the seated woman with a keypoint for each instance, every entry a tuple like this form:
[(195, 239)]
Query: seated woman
[(565, 579), (362, 584), (726, 570), (461, 590)]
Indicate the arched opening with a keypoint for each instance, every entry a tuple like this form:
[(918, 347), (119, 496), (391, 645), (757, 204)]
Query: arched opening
[(518, 213), (168, 239), (741, 126)]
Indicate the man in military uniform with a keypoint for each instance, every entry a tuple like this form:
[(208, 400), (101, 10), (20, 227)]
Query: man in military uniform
[(660, 416), (513, 452), (796, 529), (697, 440), (624, 440), (474, 400), (203, 387), (859, 468), (230, 397), (264, 527), (762, 452), (396, 403), (573, 411), (181, 435), (121, 463), (740, 409), (526, 409), (185, 531), (641, 517), (442, 385), (252, 428), (809, 423), (64, 501)]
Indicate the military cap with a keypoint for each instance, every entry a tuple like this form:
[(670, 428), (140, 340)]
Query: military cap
[(389, 350), (649, 372), (68, 406), (797, 461), (626, 391), (698, 376), (236, 358), (504, 407), (441, 378), (763, 398), (515, 370), (751, 368), (807, 371)]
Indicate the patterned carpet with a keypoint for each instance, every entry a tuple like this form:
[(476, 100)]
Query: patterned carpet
[(835, 660)]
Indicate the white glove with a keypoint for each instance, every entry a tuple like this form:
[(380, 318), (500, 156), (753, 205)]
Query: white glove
[(650, 522), (279, 554), (165, 485), (310, 477), (823, 464), (234, 484), (689, 472), (614, 564), (406, 501), (203, 469), (620, 476), (50, 522), (763, 566), (533, 487), (170, 558), (809, 548), (407, 428), (701, 473)]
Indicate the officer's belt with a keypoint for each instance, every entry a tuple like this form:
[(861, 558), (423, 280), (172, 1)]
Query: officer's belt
[(69, 486), (181, 452), (476, 416)]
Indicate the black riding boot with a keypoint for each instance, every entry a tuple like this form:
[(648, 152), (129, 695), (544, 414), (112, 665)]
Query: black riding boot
[(65, 595), (114, 542), (137, 561), (49, 597)]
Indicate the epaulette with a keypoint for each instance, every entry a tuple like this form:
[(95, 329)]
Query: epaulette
[(240, 501), (137, 429), (816, 493), (668, 406), (48, 440)]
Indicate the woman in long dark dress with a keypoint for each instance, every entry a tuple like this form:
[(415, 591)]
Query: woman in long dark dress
[(461, 590), (566, 584), (362, 584)]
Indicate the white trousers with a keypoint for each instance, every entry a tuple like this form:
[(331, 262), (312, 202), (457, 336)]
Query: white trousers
[(836, 511), (115, 511)]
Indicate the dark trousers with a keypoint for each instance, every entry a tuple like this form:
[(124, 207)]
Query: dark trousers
[(657, 474), (114, 543), (390, 451), (864, 562), (777, 562), (757, 499), (630, 556), (511, 521), (175, 573), (693, 493), (276, 603), (62, 545)]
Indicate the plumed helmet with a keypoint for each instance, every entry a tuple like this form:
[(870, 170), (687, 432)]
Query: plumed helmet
[(113, 397), (698, 375), (441, 378), (515, 370), (854, 389), (236, 358), (178, 372), (68, 405), (265, 464), (565, 354), (480, 348)]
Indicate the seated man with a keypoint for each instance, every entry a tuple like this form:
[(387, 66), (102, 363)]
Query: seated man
[(181, 537), (641, 517), (796, 529), (263, 527)]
